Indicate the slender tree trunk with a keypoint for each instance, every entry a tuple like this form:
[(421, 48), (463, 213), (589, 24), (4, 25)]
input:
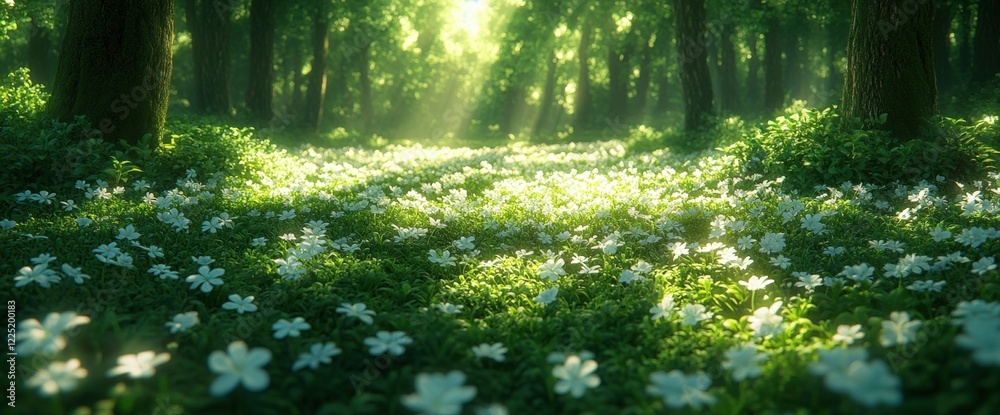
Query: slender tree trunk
[(39, 46), (792, 73), (642, 83), (695, 82), (618, 76), (727, 72), (208, 22), (316, 92), (115, 68), (986, 46), (890, 67), (753, 73), (260, 90), (367, 107), (774, 90), (963, 38), (835, 42), (548, 97), (295, 94), (582, 100)]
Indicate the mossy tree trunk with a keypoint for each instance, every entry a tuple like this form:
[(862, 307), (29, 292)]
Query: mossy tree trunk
[(582, 100), (209, 21), (115, 67), (260, 90), (548, 96), (890, 64), (986, 46), (696, 85)]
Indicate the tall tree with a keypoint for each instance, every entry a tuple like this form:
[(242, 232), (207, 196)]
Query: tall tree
[(890, 65), (582, 99), (316, 92), (942, 44), (774, 89), (693, 62), (260, 89), (986, 46), (39, 46), (209, 21), (729, 87), (115, 67)]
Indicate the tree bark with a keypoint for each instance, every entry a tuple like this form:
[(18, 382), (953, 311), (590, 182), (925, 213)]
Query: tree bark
[(696, 85), (941, 45), (582, 100), (727, 72), (39, 46), (367, 107), (548, 97), (642, 83), (774, 89), (890, 66), (260, 90), (208, 22), (986, 46), (316, 92), (115, 68), (618, 76)]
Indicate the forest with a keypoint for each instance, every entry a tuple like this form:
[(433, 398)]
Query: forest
[(500, 206)]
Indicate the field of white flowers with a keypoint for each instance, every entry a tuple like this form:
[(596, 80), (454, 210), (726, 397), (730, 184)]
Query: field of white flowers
[(526, 279)]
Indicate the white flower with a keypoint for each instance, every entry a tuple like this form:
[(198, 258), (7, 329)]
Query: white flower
[(899, 330), (772, 243), (162, 271), (494, 351), (444, 259), (128, 233), (241, 305), (183, 321), (38, 274), (678, 389), (74, 273), (319, 353), (983, 265), (46, 336), (547, 296), (628, 277), (439, 394), (575, 376), (43, 259), (284, 328), (239, 365), (206, 278), (552, 269), (256, 242), (358, 311), (392, 342), (982, 336), (448, 308), (743, 362), (766, 321), (940, 234), (811, 222), (807, 281), (140, 365), (756, 283), (58, 377), (213, 225), (848, 334), (203, 260), (860, 272), (83, 222), (868, 384), (664, 308), (7, 224), (694, 313)]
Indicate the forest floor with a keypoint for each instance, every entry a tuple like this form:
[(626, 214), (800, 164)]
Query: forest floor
[(521, 279)]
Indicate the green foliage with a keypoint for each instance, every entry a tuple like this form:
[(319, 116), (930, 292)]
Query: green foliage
[(206, 146), (815, 147), (45, 154)]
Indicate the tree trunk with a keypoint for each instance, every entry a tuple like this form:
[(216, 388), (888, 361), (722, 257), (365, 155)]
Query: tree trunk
[(582, 100), (642, 83), (792, 73), (295, 94), (696, 85), (39, 46), (367, 107), (316, 92), (548, 97), (260, 90), (890, 65), (835, 42), (208, 22), (963, 38), (115, 68), (986, 47), (941, 45), (618, 76), (727, 72), (753, 63), (774, 90)]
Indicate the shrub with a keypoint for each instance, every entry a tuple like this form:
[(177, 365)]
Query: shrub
[(815, 147)]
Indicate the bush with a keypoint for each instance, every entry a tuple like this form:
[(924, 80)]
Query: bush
[(43, 155), (815, 147), (208, 147)]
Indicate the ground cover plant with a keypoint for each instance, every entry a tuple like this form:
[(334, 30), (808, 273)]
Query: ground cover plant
[(568, 278)]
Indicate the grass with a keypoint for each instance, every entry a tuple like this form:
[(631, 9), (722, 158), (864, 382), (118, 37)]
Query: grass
[(525, 204)]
